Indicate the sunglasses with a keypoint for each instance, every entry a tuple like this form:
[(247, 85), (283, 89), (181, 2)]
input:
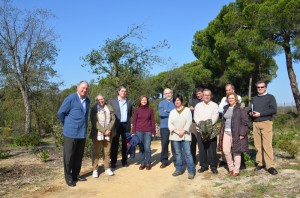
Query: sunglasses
[(260, 87)]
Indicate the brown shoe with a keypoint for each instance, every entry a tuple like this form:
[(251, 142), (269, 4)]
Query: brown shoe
[(148, 167), (230, 173), (235, 174), (142, 167)]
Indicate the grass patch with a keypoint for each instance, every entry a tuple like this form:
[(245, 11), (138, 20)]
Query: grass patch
[(291, 166), (217, 184), (259, 190)]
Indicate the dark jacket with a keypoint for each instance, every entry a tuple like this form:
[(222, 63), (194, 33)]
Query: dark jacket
[(96, 126), (239, 127), (115, 105)]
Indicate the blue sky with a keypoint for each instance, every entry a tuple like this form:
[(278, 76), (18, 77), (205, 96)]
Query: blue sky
[(84, 25)]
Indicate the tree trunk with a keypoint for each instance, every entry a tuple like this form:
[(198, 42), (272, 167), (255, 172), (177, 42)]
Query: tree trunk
[(292, 76), (249, 91), (25, 96)]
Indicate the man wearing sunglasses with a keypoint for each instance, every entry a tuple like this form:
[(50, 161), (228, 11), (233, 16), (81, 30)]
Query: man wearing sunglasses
[(262, 110)]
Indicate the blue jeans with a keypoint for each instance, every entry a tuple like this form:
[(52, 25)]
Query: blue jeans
[(145, 138), (179, 147)]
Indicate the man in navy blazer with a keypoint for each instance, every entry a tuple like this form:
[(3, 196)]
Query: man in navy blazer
[(73, 113), (123, 112)]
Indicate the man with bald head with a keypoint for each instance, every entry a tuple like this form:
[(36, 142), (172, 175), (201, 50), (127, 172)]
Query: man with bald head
[(164, 109), (73, 114)]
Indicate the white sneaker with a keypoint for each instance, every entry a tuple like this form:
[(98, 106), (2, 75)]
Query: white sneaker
[(95, 173), (109, 172)]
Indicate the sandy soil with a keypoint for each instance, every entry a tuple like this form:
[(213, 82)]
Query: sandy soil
[(47, 180)]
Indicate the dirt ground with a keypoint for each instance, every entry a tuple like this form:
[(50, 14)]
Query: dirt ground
[(23, 175)]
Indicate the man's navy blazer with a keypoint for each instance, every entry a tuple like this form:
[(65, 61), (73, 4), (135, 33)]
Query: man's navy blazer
[(115, 105), (73, 117)]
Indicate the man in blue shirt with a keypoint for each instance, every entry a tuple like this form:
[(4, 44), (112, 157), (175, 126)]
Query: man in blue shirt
[(73, 114), (123, 112), (164, 108)]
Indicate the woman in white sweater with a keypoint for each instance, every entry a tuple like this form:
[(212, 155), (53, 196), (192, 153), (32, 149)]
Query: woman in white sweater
[(179, 123)]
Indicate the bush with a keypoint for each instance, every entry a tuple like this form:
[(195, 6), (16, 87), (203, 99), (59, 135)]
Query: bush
[(289, 146), (42, 155), (28, 140), (58, 135), (247, 159), (5, 134), (3, 155)]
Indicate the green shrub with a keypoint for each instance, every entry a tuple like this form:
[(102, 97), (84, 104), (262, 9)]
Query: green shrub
[(28, 140), (42, 155), (289, 146), (280, 120), (247, 159), (58, 135), (3, 155), (5, 134)]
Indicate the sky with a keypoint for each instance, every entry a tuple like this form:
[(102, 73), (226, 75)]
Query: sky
[(85, 25)]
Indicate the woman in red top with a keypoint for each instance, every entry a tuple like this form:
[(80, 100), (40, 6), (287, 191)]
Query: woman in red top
[(144, 128)]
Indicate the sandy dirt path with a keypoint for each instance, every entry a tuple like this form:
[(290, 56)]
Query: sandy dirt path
[(132, 182)]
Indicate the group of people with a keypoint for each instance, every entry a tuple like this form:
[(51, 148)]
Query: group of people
[(185, 127)]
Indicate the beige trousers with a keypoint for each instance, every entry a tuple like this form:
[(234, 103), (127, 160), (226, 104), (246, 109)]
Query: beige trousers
[(263, 135), (235, 163), (97, 147)]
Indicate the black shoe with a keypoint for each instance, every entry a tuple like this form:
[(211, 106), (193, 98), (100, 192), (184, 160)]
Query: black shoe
[(202, 169), (70, 183), (272, 171), (125, 164), (112, 165), (163, 165), (257, 168), (214, 171), (79, 178)]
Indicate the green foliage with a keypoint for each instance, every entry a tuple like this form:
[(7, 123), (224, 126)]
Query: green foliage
[(5, 134), (259, 190), (28, 140), (42, 155), (248, 159), (58, 135), (289, 146), (280, 120), (28, 52), (124, 60), (3, 154), (88, 150)]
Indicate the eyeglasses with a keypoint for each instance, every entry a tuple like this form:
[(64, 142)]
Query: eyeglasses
[(260, 87)]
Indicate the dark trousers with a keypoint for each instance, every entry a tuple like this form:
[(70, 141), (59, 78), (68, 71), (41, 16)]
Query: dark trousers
[(194, 142), (207, 152), (164, 135), (121, 130), (73, 154)]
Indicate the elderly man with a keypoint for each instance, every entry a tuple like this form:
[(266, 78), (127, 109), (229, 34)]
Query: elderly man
[(263, 108), (73, 113), (229, 88), (123, 111), (164, 109), (207, 111)]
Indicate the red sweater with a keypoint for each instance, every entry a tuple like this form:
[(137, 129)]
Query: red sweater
[(143, 120)]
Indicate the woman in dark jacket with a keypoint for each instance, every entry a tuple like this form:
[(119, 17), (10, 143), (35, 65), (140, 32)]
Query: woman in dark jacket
[(233, 135)]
